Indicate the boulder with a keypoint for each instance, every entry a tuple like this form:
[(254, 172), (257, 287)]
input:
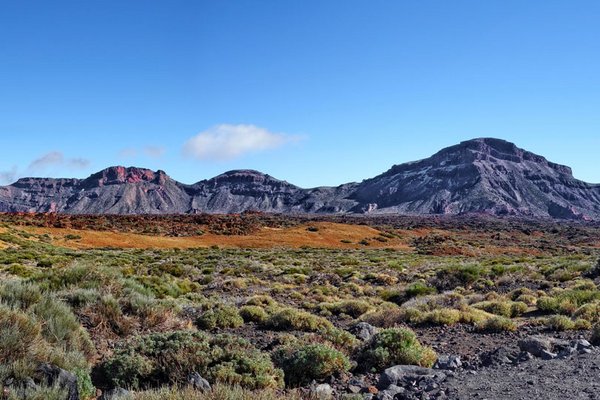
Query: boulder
[(448, 362), (116, 394), (548, 355), (53, 375), (501, 355), (390, 393), (198, 382), (323, 391), (536, 345), (409, 375), (363, 331)]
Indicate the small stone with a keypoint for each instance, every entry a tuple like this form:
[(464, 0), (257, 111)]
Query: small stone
[(405, 375), (116, 394), (372, 390), (536, 345), (390, 393), (581, 344), (323, 391), (547, 355), (448, 362), (354, 388), (363, 331), (198, 382)]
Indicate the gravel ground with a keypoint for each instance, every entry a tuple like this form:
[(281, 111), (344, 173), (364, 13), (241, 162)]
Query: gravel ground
[(572, 378)]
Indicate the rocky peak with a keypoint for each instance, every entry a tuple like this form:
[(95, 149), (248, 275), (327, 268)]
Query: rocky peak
[(492, 150), (122, 175), (245, 176)]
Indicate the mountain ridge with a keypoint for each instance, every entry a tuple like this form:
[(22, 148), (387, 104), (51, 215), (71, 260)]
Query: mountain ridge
[(483, 175)]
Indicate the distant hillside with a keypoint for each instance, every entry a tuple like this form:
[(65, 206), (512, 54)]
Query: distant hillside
[(485, 175)]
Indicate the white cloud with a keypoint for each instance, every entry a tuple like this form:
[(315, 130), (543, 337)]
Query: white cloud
[(154, 151), (8, 176), (129, 152), (223, 142), (47, 160), (79, 163), (148, 151), (57, 159)]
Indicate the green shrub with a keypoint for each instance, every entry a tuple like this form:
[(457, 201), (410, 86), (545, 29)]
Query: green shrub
[(306, 363), (589, 312), (497, 324), (582, 324), (502, 307), (255, 314), (61, 328), (418, 289), (292, 319), (568, 301), (38, 328), (442, 316), (84, 383), (452, 277), (395, 346), (261, 300), (17, 294), (353, 308), (81, 297), (560, 323), (220, 317), (158, 359), (527, 299), (518, 308)]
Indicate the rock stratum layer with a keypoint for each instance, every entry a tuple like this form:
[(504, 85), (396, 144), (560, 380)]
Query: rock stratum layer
[(489, 176)]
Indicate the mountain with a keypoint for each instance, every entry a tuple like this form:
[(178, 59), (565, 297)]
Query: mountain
[(485, 175), (481, 176)]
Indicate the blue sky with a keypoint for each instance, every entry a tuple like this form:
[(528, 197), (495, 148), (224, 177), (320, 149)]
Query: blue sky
[(315, 92)]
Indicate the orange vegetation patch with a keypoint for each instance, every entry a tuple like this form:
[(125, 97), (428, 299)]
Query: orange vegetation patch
[(321, 234)]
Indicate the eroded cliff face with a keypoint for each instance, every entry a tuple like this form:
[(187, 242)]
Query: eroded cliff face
[(478, 176)]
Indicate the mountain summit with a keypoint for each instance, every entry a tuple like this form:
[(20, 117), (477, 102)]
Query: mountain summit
[(485, 175)]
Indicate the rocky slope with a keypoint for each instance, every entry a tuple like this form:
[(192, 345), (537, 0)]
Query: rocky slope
[(478, 176)]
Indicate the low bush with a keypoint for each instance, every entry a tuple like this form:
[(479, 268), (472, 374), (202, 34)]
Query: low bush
[(255, 314), (560, 323), (503, 308), (353, 308), (220, 317), (394, 346), (418, 289), (306, 363), (497, 324), (289, 319), (159, 359), (442, 316)]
